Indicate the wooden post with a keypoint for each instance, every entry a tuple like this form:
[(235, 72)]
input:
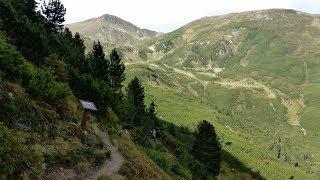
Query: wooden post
[(88, 107), (85, 119)]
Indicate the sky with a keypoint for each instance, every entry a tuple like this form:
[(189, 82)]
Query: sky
[(168, 15)]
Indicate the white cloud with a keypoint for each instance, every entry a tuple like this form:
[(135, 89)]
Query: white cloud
[(167, 15)]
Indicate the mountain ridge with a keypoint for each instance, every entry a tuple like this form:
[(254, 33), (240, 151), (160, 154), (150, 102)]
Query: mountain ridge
[(252, 74), (111, 31), (258, 70)]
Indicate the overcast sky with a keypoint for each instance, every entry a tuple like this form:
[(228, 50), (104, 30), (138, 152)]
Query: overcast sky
[(167, 15)]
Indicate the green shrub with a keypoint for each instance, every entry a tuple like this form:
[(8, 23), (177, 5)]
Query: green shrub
[(110, 122), (75, 156), (43, 86), (143, 54), (10, 59), (16, 157), (58, 67), (162, 159), (165, 46)]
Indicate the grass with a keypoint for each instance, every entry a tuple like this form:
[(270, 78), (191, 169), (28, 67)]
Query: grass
[(284, 58), (139, 165)]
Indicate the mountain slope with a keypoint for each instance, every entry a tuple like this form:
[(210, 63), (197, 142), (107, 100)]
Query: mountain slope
[(254, 75), (43, 73), (111, 31)]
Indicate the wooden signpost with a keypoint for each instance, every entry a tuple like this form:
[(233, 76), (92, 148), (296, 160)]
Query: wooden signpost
[(88, 107)]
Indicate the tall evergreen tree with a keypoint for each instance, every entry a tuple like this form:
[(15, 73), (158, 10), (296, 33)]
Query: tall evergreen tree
[(117, 68), (207, 148), (79, 60), (54, 13), (79, 42), (100, 65), (67, 33), (27, 7), (152, 113), (135, 96)]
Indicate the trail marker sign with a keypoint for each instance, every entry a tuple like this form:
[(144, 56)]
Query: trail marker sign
[(88, 107)]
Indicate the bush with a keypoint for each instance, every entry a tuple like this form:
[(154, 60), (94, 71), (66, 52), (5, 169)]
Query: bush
[(74, 157), (143, 54), (110, 122), (16, 158), (40, 83), (10, 59), (162, 159), (29, 115), (54, 63), (43, 86)]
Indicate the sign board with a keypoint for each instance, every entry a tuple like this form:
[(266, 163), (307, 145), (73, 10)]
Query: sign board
[(87, 105)]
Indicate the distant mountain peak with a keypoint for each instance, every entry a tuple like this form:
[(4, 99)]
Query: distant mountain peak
[(111, 31)]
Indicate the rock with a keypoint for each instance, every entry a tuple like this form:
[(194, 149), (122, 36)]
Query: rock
[(153, 79), (225, 50), (21, 126)]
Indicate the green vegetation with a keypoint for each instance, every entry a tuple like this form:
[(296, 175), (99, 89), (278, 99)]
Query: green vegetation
[(40, 82), (246, 75), (207, 148), (263, 104)]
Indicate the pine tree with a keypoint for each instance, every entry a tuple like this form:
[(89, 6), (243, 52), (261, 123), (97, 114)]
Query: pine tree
[(100, 65), (27, 7), (54, 13), (152, 113), (152, 109), (135, 97), (117, 68), (207, 148), (67, 33), (80, 61), (78, 41)]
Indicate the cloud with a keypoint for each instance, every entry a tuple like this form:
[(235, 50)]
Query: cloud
[(167, 15)]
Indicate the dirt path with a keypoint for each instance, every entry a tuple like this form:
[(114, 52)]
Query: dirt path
[(110, 167), (247, 84)]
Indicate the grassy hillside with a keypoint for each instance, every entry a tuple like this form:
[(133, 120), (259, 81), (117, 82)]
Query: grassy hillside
[(44, 71), (254, 75)]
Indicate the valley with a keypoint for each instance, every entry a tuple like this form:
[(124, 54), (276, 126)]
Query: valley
[(233, 96), (249, 77)]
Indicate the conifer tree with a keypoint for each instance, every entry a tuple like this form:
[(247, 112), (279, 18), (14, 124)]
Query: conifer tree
[(100, 64), (135, 96), (54, 13), (117, 68), (207, 148), (80, 61), (155, 121), (67, 33), (79, 42), (152, 109)]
